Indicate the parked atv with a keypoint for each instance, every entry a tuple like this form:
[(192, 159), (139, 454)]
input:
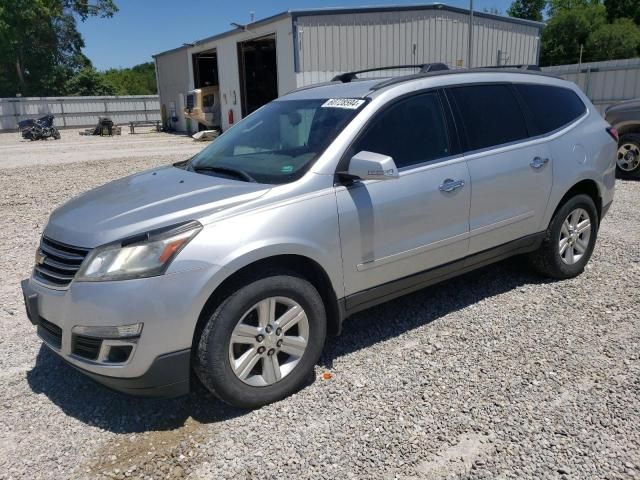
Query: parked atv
[(39, 129)]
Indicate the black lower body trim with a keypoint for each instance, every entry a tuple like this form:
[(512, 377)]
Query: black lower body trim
[(405, 285), (168, 376)]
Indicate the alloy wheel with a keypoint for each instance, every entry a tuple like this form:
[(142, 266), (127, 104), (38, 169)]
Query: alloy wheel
[(268, 342), (574, 236), (628, 157)]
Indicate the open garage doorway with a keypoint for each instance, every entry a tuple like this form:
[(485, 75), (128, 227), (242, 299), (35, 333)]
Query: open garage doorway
[(258, 72), (205, 69)]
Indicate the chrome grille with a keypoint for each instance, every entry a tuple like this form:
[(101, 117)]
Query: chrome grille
[(57, 263)]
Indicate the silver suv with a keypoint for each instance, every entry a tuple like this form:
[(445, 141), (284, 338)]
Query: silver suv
[(235, 264)]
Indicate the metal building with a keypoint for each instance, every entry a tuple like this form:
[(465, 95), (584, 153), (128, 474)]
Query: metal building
[(254, 63)]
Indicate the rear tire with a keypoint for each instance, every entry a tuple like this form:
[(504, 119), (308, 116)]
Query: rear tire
[(628, 156), (262, 342), (569, 240)]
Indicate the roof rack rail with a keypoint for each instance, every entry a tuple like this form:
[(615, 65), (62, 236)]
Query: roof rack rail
[(517, 67), (424, 68)]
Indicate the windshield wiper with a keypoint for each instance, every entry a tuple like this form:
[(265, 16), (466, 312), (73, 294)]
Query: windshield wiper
[(241, 174)]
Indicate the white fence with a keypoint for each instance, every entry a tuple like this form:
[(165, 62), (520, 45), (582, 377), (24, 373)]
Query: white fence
[(605, 83), (78, 111)]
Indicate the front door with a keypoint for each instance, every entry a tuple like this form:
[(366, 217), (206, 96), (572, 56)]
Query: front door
[(391, 229)]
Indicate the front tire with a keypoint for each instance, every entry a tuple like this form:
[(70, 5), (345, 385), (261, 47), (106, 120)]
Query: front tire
[(628, 157), (569, 240), (260, 344)]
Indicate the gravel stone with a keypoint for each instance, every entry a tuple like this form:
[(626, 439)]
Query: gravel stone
[(498, 374)]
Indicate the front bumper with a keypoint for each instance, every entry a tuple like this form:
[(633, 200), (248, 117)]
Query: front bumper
[(167, 377), (168, 306)]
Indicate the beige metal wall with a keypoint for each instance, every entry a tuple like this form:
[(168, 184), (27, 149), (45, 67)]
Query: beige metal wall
[(173, 73), (331, 44)]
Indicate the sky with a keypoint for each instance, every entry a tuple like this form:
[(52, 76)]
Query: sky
[(144, 27)]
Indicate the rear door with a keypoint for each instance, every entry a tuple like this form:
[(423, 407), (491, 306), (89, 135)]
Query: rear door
[(511, 174), (394, 228)]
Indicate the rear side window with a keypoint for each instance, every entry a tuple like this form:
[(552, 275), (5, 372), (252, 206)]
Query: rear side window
[(551, 107), (410, 131), (490, 114)]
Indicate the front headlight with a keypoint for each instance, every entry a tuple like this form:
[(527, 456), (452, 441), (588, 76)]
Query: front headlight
[(145, 255)]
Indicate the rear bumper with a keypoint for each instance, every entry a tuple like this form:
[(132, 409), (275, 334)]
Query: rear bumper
[(167, 375)]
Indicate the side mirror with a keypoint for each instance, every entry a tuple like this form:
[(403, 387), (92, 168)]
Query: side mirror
[(372, 166)]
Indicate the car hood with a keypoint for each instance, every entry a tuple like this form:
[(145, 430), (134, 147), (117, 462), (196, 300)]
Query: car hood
[(145, 201)]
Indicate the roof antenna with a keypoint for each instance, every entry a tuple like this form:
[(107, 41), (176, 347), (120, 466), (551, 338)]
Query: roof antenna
[(252, 16)]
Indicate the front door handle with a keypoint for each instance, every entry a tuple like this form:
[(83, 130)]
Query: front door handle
[(449, 185), (538, 162)]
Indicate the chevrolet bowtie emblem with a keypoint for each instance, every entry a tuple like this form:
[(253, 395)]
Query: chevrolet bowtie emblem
[(40, 257)]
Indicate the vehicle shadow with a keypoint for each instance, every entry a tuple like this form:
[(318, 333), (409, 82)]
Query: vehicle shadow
[(93, 404)]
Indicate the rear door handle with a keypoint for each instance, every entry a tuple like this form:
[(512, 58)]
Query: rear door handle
[(538, 162), (449, 185)]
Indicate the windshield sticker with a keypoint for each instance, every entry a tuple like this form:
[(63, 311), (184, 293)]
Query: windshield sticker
[(349, 103), (287, 169)]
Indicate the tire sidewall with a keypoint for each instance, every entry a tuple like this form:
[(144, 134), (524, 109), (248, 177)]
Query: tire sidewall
[(579, 201), (218, 375)]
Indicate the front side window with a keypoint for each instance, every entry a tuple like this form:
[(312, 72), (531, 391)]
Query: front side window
[(551, 107), (277, 143), (410, 131), (490, 113)]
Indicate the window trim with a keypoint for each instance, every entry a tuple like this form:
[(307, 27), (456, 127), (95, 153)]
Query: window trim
[(450, 127)]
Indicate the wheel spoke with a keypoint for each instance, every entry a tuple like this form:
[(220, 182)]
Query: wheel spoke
[(583, 226), (243, 365), (575, 218), (266, 311), (244, 333), (580, 246), (290, 318), (564, 243), (271, 369), (293, 345), (569, 257), (564, 230)]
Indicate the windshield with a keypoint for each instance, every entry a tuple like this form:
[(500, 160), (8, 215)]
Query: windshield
[(277, 143)]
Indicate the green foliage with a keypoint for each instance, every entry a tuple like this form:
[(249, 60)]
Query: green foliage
[(623, 9), (620, 39), (567, 30), (585, 22), (527, 9), (40, 46), (87, 82), (138, 80)]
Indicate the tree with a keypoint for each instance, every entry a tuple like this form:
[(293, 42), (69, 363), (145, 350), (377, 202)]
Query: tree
[(623, 9), (620, 39), (87, 82), (40, 46), (566, 30), (556, 6), (527, 9), (138, 80)]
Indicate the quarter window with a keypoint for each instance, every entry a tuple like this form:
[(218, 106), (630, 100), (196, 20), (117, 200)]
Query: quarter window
[(491, 115), (410, 131), (551, 107)]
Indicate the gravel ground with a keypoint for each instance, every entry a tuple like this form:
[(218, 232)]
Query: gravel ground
[(497, 374), (72, 147)]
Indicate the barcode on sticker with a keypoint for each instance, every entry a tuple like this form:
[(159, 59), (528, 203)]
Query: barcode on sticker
[(350, 103)]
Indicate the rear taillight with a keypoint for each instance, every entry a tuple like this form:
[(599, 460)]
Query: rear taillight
[(613, 132)]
